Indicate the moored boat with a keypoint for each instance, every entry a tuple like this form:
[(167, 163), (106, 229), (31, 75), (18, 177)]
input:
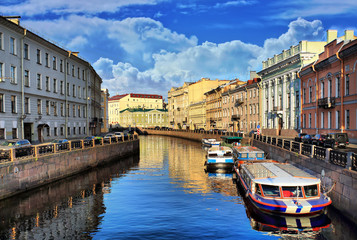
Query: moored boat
[(219, 158), (244, 154), (210, 142), (282, 188), (230, 141)]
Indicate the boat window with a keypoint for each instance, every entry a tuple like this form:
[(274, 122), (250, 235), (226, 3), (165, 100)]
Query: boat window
[(257, 189), (252, 155), (212, 155), (311, 191), (259, 155), (244, 155), (228, 154), (271, 191), (292, 192)]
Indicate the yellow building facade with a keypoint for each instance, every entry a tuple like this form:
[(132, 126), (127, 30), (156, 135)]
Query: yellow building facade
[(197, 101), (119, 103), (139, 117), (178, 106)]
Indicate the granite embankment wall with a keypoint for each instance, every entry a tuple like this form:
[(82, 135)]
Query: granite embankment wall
[(343, 195), (21, 175)]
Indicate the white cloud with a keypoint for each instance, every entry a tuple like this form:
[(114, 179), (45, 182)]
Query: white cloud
[(224, 61), (235, 3), (39, 7)]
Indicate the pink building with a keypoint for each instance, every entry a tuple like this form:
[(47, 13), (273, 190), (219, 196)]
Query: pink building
[(329, 91)]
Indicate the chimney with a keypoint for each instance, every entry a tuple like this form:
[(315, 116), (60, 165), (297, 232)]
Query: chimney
[(331, 35), (14, 19), (253, 74), (349, 34)]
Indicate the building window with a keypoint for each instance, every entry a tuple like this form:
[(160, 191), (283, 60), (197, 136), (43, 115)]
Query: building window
[(61, 67), (329, 87), (54, 108), (78, 73), (55, 131), (322, 120), (74, 90), (13, 75), (48, 131), (72, 70), (74, 130), (74, 110), (338, 86), (68, 109), (322, 89), (13, 104), (68, 89), (347, 85), (38, 56), (329, 120), (79, 130), (347, 119), (47, 83), (68, 130), (27, 105), (310, 94), (39, 84), (27, 78), (79, 92), (26, 51), (2, 133), (47, 107), (14, 133), (79, 111), (62, 131), (47, 60), (62, 87), (12, 46), (2, 72), (62, 109), (55, 85), (54, 63), (338, 120), (304, 95), (2, 106), (1, 41), (39, 106), (309, 120)]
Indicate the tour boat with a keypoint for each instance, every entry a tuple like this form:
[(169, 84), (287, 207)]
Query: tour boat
[(230, 141), (210, 142), (244, 154), (219, 158), (282, 188)]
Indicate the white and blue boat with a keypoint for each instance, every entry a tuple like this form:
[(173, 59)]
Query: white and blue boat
[(210, 142), (219, 158), (282, 188), (244, 154)]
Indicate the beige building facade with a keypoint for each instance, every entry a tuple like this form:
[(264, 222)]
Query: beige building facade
[(178, 106)]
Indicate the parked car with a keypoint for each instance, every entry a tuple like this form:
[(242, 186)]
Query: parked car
[(319, 139), (61, 143), (87, 140), (109, 135), (118, 134), (336, 140), (300, 137), (307, 139), (23, 147), (157, 128), (251, 133)]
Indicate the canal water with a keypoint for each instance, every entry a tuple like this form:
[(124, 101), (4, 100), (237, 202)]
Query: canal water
[(164, 193)]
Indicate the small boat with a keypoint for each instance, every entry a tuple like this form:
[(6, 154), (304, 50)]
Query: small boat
[(210, 142), (219, 158), (230, 141), (244, 154), (282, 188)]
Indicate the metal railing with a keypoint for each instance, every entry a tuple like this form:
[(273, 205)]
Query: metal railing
[(319, 153), (338, 158), (52, 148), (295, 147), (354, 162), (287, 145), (280, 142), (306, 149)]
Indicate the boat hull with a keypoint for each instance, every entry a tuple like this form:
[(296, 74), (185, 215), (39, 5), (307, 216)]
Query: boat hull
[(216, 166), (284, 206)]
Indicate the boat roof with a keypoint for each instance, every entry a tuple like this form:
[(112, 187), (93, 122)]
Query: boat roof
[(219, 149), (247, 149), (231, 137), (279, 174)]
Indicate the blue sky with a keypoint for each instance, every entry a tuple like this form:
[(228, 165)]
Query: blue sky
[(148, 46)]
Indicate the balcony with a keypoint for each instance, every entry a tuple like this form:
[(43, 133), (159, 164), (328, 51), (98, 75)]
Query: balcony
[(238, 103), (235, 117), (326, 103)]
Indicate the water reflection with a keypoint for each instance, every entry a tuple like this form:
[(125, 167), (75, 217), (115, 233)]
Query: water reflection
[(68, 209)]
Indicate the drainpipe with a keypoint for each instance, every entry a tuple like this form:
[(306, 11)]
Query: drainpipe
[(66, 93), (316, 95), (342, 87), (22, 86), (87, 102)]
